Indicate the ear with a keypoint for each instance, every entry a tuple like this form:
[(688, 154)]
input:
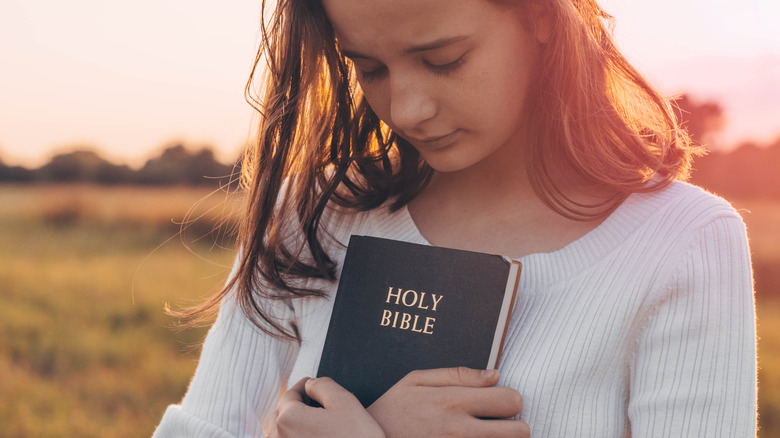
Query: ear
[(540, 17)]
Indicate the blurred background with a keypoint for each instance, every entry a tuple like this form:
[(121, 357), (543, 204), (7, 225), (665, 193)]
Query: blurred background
[(120, 123)]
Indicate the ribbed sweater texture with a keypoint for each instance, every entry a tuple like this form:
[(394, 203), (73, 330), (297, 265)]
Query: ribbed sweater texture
[(644, 327)]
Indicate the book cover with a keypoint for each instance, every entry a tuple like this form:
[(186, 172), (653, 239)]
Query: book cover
[(402, 306)]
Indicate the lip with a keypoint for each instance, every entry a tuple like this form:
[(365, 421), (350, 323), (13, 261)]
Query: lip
[(435, 142)]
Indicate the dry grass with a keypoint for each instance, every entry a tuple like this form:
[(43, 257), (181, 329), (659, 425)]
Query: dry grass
[(769, 368), (762, 219), (117, 206), (85, 347)]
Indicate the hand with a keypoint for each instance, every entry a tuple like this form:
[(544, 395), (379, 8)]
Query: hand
[(341, 414), (452, 402)]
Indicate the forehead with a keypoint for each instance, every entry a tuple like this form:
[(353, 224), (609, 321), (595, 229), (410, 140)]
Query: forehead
[(380, 24)]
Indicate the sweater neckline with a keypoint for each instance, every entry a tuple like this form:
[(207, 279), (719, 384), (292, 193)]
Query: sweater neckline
[(545, 268)]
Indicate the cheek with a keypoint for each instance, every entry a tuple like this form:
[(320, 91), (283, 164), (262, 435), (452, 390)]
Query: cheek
[(493, 98), (378, 99), (509, 89)]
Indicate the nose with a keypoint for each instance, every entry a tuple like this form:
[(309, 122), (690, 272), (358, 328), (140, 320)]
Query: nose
[(411, 103)]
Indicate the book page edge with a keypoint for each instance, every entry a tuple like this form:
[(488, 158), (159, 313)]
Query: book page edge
[(510, 293)]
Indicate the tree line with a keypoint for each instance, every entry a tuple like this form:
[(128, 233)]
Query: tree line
[(747, 171), (750, 170), (175, 165)]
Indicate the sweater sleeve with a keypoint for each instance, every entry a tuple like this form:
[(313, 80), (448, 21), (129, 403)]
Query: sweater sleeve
[(694, 371), (237, 381)]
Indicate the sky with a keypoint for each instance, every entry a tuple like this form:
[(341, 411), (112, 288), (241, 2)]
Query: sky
[(129, 78)]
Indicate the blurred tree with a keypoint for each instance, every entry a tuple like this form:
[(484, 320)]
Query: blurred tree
[(203, 165), (112, 174), (746, 172), (177, 165), (14, 173), (83, 165), (702, 120), (750, 171)]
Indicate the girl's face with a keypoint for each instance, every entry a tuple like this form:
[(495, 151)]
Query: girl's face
[(450, 76)]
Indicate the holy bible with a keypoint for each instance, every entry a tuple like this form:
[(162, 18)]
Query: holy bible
[(402, 306)]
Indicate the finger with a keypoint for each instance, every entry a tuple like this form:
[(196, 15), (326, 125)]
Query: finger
[(269, 424), (497, 428), (494, 402), (458, 376), (330, 394), (293, 415), (295, 394)]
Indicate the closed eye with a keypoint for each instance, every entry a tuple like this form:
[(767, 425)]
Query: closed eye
[(438, 69), (366, 68), (368, 76), (445, 69)]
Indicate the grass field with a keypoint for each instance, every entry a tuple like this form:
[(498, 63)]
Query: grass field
[(85, 346)]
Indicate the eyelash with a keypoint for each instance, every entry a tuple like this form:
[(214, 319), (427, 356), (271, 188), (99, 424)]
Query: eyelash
[(446, 69), (369, 76), (438, 70)]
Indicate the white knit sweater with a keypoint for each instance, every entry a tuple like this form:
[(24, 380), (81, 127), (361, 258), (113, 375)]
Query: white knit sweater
[(644, 327)]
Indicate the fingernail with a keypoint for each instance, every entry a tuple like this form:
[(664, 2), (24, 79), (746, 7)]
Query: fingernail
[(488, 373)]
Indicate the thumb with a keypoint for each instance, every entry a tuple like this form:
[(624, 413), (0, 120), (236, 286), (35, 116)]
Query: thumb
[(330, 394), (458, 376)]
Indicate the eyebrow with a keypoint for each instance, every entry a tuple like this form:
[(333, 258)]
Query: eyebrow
[(433, 45)]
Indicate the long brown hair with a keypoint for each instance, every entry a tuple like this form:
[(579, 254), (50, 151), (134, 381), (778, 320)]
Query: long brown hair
[(319, 142)]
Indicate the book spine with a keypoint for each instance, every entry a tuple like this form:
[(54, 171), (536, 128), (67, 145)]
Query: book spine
[(510, 293)]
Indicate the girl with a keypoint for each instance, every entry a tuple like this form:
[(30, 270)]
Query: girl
[(510, 127)]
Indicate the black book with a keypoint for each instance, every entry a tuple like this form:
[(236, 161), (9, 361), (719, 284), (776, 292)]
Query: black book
[(402, 306)]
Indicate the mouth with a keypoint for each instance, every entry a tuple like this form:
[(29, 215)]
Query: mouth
[(435, 142)]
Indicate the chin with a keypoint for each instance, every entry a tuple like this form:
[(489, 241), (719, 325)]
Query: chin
[(451, 159), (448, 166)]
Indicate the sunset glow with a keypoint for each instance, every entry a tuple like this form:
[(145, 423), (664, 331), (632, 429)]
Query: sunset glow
[(129, 77)]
